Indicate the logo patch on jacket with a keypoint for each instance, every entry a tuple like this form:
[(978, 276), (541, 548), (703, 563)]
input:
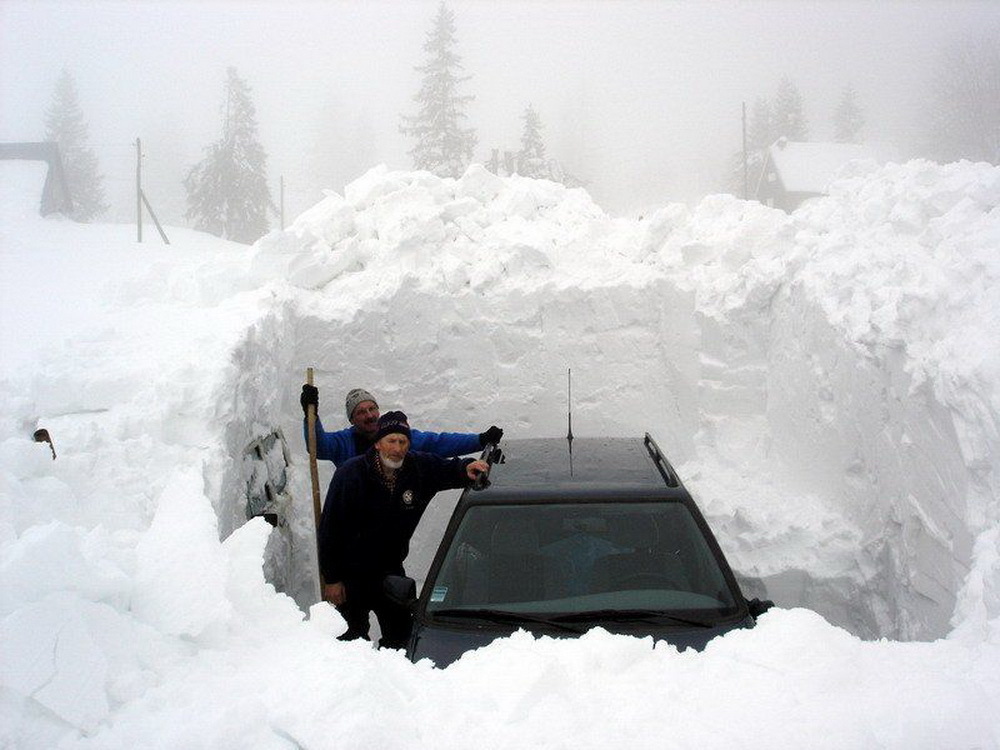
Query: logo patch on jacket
[(407, 497)]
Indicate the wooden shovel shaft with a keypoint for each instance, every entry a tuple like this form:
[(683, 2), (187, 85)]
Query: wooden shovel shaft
[(314, 472)]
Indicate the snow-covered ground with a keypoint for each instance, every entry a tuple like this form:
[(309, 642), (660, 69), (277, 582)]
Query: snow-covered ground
[(826, 384)]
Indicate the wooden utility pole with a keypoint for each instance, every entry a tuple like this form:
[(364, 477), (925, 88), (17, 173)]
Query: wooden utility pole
[(746, 167), (141, 200), (138, 189)]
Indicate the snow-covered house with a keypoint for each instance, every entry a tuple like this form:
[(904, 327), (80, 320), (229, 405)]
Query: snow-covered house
[(794, 171), (55, 194)]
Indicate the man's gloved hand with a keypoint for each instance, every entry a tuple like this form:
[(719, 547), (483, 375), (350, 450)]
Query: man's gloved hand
[(310, 395), (491, 436)]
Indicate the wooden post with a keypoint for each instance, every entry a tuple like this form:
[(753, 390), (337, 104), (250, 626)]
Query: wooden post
[(138, 189), (163, 235), (314, 474), (282, 203), (140, 198), (746, 167)]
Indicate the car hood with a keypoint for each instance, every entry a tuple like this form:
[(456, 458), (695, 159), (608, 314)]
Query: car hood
[(444, 645)]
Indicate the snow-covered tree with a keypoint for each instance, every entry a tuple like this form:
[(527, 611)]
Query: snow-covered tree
[(788, 118), (443, 146), (227, 192), (848, 120), (65, 125), (531, 161), (964, 111)]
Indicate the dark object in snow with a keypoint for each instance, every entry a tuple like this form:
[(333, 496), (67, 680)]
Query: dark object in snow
[(42, 436), (554, 546), (265, 464)]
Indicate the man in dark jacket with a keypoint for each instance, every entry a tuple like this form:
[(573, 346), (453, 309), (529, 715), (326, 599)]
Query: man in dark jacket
[(371, 510), (363, 413)]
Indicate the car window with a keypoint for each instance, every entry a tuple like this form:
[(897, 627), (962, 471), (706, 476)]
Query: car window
[(576, 557)]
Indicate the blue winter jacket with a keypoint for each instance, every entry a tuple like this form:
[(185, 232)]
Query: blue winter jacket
[(340, 445)]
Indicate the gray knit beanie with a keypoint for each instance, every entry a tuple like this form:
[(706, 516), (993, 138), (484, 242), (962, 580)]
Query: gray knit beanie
[(354, 397)]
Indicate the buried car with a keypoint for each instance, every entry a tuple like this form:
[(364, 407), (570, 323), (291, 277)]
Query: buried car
[(571, 534)]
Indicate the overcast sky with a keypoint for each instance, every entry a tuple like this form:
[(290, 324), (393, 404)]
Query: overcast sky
[(640, 99)]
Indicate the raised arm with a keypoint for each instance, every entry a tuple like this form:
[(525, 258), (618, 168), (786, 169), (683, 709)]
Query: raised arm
[(330, 446), (449, 444)]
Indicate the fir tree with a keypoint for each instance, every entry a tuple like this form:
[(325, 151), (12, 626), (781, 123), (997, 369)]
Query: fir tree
[(848, 121), (443, 146), (531, 161), (64, 125), (788, 118), (227, 191)]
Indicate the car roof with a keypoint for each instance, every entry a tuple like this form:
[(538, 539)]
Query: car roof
[(554, 469)]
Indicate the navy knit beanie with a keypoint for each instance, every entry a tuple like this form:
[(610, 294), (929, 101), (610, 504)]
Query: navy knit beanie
[(392, 421)]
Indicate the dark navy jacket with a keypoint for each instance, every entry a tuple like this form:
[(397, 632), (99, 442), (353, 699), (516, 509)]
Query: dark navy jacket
[(365, 531), (341, 445)]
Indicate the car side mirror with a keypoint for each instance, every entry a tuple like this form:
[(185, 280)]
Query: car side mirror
[(400, 590), (757, 607)]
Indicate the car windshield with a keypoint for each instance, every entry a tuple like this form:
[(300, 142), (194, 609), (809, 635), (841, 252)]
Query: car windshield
[(587, 557)]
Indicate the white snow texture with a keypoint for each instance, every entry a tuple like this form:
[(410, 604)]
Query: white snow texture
[(825, 382)]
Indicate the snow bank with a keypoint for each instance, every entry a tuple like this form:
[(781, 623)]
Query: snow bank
[(825, 382), (825, 379)]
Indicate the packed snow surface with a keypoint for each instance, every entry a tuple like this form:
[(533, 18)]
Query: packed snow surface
[(825, 382)]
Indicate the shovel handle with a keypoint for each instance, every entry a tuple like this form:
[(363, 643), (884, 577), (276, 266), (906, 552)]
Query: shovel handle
[(314, 471)]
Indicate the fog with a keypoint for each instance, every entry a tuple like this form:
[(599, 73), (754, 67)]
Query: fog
[(642, 100)]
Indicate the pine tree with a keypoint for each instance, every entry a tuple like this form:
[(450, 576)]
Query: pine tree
[(227, 191), (64, 125), (443, 146), (531, 161), (848, 121), (788, 119)]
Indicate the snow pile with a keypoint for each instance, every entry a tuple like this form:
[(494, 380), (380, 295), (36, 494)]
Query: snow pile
[(825, 382), (827, 376)]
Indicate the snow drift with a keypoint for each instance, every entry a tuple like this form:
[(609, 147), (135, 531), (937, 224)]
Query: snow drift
[(825, 382)]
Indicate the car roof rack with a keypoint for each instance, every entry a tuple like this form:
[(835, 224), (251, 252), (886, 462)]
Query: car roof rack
[(662, 464)]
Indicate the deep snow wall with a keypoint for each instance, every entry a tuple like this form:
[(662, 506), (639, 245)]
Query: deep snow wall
[(852, 430), (836, 470)]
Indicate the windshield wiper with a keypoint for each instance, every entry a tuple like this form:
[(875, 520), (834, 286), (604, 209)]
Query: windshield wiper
[(504, 616), (631, 615)]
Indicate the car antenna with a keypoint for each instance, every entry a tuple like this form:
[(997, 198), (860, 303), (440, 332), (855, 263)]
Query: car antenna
[(569, 416), (569, 406)]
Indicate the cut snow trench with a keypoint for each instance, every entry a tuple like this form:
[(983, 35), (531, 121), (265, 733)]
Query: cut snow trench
[(786, 450), (808, 375)]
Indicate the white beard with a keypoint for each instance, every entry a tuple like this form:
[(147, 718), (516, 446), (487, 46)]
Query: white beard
[(390, 463)]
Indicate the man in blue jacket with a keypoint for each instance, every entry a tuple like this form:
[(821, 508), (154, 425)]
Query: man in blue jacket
[(372, 508), (363, 414)]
